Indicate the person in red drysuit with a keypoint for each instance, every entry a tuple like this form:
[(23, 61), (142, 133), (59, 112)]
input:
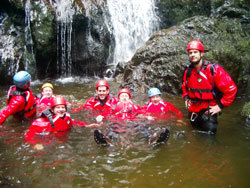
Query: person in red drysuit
[(124, 109), (102, 102), (207, 89), (55, 121), (20, 100), (44, 98), (157, 109), (123, 124)]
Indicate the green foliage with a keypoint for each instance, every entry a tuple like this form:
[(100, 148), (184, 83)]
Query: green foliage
[(42, 28), (175, 11), (232, 50)]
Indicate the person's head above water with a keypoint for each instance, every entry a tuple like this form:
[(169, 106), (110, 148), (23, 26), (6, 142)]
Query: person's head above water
[(47, 90), (102, 89), (124, 95), (154, 95), (22, 79), (59, 106)]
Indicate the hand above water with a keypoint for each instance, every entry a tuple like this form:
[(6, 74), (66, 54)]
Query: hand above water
[(94, 125), (214, 109), (180, 123)]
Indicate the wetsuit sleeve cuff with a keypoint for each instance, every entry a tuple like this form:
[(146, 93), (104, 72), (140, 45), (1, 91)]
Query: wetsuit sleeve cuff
[(220, 105), (186, 97)]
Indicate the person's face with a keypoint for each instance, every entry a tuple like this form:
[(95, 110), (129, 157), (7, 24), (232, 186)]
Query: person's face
[(155, 99), (102, 92), (124, 98), (47, 92), (59, 110), (195, 56)]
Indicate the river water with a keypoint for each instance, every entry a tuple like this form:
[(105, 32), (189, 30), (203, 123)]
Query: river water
[(191, 159)]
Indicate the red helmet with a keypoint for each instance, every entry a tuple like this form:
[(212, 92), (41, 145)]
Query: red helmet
[(58, 100), (195, 45), (124, 90), (102, 83)]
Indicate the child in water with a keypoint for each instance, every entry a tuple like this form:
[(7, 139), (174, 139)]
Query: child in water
[(124, 110), (45, 98), (54, 121), (157, 109)]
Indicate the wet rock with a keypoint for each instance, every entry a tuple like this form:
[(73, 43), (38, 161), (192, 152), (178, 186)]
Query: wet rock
[(246, 113)]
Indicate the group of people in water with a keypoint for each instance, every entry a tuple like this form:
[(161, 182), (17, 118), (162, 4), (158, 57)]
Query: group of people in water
[(207, 89)]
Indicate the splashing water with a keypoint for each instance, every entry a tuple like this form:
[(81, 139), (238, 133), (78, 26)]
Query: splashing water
[(132, 24)]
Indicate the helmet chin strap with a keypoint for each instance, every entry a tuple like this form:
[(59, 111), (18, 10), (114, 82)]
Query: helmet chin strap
[(196, 62)]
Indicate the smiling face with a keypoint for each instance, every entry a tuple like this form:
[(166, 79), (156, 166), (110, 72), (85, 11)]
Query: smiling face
[(59, 110), (47, 92), (102, 92), (195, 57), (155, 99), (124, 98)]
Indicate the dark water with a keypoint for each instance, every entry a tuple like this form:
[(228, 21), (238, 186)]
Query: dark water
[(74, 160)]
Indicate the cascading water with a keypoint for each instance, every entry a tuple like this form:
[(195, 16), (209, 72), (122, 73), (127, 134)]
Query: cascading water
[(64, 17), (28, 48), (7, 49), (132, 23)]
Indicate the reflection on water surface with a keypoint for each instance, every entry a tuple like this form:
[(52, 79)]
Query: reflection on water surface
[(74, 160)]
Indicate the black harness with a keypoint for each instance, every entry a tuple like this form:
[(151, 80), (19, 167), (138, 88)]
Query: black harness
[(48, 114), (102, 102), (203, 66)]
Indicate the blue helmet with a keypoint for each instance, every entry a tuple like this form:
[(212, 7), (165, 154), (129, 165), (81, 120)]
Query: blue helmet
[(21, 78), (153, 91)]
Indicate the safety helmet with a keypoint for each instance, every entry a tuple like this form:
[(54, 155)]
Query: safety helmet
[(102, 83), (195, 45), (58, 100), (153, 91), (124, 90), (21, 78), (47, 85)]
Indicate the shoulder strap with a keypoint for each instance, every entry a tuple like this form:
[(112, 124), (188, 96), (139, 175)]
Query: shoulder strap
[(188, 74), (39, 95), (18, 93), (212, 73), (48, 114), (189, 70)]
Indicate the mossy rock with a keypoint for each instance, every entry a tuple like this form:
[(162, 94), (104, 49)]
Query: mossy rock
[(246, 113)]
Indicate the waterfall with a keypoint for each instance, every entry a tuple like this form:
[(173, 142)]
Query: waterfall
[(7, 49), (29, 59), (132, 23), (65, 12)]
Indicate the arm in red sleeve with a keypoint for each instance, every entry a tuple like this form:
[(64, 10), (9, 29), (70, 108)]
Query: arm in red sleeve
[(79, 123), (16, 104), (77, 109), (88, 105), (226, 85), (175, 110), (143, 109)]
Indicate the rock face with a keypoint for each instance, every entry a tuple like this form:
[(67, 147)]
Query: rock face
[(84, 41), (162, 60), (245, 113), (90, 48)]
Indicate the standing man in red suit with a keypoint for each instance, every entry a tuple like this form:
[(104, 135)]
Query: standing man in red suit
[(207, 89)]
